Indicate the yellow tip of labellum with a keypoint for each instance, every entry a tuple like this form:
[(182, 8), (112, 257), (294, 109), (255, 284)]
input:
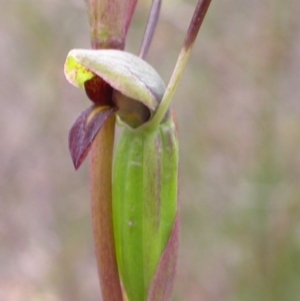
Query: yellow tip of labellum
[(76, 73)]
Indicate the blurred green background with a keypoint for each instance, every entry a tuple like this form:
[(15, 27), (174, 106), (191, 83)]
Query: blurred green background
[(238, 109)]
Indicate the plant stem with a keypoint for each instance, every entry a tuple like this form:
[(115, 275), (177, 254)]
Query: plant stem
[(100, 186), (109, 22), (184, 55), (150, 28)]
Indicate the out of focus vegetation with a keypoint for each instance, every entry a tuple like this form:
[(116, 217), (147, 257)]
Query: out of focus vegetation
[(238, 110)]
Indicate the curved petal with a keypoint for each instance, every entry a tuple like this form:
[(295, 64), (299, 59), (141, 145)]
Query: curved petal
[(84, 131), (123, 71)]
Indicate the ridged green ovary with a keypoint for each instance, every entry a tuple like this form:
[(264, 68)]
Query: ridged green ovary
[(144, 203)]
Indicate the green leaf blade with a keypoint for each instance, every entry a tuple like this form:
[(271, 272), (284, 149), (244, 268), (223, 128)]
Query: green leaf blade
[(144, 204)]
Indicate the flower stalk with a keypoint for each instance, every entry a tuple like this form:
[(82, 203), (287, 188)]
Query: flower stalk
[(109, 22), (100, 172), (151, 25), (184, 55)]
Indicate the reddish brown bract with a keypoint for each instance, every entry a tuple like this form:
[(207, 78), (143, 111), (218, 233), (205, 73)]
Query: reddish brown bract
[(84, 131)]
